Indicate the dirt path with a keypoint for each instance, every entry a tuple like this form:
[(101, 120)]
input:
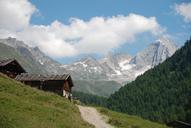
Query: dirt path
[(92, 116)]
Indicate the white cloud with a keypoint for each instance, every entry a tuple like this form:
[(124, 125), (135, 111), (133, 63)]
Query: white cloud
[(46, 40), (15, 14), (184, 9), (98, 35)]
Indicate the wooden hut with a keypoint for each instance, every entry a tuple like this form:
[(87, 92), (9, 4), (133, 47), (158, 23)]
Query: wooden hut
[(11, 67), (60, 84)]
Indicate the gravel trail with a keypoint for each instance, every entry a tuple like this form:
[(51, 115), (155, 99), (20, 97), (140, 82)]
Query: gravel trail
[(92, 116)]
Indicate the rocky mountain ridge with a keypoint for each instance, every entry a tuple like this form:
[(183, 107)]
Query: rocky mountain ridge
[(123, 67), (45, 63), (113, 67)]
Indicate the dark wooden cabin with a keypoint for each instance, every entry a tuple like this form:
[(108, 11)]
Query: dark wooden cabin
[(11, 68), (60, 84)]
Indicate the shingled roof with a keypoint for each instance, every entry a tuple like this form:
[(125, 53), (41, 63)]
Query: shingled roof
[(39, 77), (6, 61)]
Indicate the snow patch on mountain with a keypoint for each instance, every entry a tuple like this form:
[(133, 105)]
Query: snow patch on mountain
[(141, 71), (125, 65), (83, 64)]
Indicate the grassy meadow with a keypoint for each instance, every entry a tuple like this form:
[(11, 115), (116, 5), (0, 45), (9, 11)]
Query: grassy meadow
[(25, 107)]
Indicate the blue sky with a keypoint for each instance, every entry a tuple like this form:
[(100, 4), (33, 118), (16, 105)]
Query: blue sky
[(46, 17), (63, 10)]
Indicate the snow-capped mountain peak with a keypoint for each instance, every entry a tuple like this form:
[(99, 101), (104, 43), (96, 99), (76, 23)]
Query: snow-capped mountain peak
[(155, 53), (122, 67)]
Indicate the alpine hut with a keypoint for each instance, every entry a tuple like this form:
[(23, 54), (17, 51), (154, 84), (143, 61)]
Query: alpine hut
[(60, 84), (11, 67)]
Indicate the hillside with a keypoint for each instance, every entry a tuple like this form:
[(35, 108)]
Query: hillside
[(89, 99), (120, 120), (162, 93), (100, 88), (25, 107)]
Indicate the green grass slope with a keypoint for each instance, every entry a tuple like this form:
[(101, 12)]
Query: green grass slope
[(25, 107), (120, 120)]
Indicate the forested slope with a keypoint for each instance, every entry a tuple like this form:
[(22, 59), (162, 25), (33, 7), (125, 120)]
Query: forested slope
[(161, 94)]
